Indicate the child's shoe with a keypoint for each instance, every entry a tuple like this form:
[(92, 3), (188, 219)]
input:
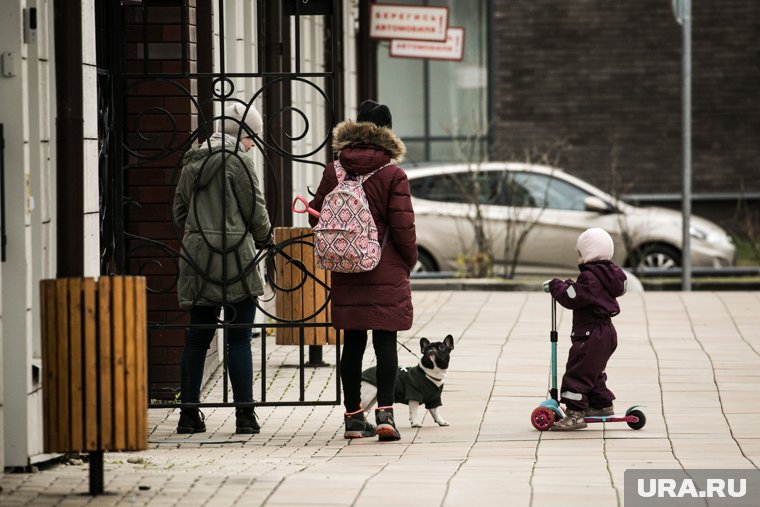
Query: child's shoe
[(357, 425), (386, 426), (600, 412), (245, 421), (573, 420), (191, 421)]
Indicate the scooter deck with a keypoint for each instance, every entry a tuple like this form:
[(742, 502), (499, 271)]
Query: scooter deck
[(611, 418)]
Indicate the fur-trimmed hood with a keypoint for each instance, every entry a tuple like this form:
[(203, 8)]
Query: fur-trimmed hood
[(349, 133)]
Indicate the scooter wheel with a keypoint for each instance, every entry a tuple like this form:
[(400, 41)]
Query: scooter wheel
[(542, 418), (640, 423)]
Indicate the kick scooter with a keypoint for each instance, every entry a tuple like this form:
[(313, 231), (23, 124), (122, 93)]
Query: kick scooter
[(548, 411)]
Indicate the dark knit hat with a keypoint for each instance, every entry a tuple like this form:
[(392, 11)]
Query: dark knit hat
[(372, 112)]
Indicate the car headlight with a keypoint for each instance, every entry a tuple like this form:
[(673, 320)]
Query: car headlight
[(713, 237), (696, 232)]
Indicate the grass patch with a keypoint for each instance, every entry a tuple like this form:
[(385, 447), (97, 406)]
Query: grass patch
[(745, 254)]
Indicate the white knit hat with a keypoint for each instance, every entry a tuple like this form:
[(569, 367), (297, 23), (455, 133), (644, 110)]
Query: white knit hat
[(234, 116), (595, 244)]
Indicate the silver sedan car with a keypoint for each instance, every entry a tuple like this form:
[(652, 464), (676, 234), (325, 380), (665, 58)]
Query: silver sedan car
[(545, 209)]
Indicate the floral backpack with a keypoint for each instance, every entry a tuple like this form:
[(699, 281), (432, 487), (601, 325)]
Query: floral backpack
[(346, 234)]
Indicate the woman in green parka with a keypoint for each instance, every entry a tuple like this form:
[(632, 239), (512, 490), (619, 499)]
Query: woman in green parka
[(221, 208)]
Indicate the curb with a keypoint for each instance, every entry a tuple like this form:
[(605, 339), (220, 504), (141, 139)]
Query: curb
[(496, 285)]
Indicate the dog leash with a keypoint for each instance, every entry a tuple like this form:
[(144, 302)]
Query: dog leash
[(407, 348)]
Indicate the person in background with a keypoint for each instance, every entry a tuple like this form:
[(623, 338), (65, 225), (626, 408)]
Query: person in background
[(379, 300), (218, 186)]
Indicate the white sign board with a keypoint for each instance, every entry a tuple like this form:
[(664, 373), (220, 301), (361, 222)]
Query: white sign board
[(452, 49), (391, 21)]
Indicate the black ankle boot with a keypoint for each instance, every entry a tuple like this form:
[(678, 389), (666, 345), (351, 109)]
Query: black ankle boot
[(245, 421), (191, 421)]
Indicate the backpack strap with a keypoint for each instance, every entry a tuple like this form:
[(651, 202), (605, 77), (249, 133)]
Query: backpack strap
[(365, 177), (341, 173), (386, 237)]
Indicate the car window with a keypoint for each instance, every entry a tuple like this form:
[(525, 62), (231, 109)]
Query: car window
[(456, 187), (419, 187), (505, 188), (449, 188), (510, 190), (552, 192)]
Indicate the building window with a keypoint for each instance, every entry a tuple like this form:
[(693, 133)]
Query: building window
[(440, 108)]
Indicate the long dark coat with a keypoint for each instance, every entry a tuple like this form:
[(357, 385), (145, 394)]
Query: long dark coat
[(381, 298)]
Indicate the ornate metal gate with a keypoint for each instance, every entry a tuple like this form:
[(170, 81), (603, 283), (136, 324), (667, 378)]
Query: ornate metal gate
[(167, 69)]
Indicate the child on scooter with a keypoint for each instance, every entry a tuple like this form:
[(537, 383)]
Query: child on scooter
[(592, 298)]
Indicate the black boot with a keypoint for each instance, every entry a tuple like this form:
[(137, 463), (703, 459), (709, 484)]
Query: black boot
[(386, 426), (357, 426), (245, 421), (191, 421)]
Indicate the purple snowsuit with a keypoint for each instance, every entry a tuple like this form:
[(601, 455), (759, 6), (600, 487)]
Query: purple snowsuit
[(592, 298)]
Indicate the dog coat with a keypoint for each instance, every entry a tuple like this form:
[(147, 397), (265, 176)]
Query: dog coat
[(411, 384)]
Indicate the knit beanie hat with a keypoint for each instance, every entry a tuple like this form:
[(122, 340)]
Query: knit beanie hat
[(595, 244), (372, 112), (234, 118)]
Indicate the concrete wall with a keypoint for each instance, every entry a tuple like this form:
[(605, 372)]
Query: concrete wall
[(28, 111), (27, 106)]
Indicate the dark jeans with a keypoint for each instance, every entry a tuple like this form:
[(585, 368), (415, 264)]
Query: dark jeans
[(354, 343), (239, 357)]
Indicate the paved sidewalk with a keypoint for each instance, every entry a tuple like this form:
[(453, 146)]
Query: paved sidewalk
[(692, 358)]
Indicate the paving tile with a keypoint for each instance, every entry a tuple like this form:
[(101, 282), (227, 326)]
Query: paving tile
[(691, 358)]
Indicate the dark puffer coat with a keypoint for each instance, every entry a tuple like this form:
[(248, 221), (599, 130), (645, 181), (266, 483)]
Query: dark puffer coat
[(592, 297), (381, 298)]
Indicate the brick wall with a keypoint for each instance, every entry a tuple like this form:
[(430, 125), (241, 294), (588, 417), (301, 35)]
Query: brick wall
[(603, 80), (158, 138)]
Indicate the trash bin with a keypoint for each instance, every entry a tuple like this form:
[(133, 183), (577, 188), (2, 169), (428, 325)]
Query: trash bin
[(94, 363), (302, 290)]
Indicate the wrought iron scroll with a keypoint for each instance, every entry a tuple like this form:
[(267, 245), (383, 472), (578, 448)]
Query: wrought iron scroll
[(137, 133)]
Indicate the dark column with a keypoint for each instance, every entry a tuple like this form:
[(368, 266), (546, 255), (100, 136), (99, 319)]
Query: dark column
[(333, 37), (275, 26), (367, 55), (69, 139)]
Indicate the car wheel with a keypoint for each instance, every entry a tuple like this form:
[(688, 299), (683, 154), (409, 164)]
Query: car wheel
[(658, 256), (425, 263)]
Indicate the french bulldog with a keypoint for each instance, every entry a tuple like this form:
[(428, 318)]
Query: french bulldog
[(416, 384)]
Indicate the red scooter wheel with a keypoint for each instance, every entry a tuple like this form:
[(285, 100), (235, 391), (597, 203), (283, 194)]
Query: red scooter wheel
[(641, 422), (542, 418)]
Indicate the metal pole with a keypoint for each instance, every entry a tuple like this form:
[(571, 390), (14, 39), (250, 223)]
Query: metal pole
[(685, 20), (96, 473), (554, 337)]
